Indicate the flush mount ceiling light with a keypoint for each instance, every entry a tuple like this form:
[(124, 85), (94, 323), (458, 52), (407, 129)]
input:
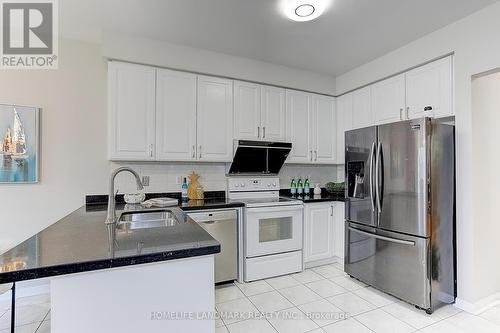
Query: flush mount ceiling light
[(304, 10)]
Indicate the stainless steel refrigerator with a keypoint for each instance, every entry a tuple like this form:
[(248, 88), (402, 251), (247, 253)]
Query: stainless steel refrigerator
[(400, 222)]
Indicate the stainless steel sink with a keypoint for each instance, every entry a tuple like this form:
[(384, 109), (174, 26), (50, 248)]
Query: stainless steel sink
[(150, 219)]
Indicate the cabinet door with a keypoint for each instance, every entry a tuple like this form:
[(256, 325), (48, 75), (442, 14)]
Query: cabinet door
[(339, 230), (131, 114), (318, 242), (388, 100), (273, 113), (247, 110), (429, 90), (324, 130), (175, 116), (214, 119), (299, 119), (361, 108), (344, 123)]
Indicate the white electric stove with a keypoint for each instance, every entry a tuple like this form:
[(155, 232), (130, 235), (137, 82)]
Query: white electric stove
[(272, 227)]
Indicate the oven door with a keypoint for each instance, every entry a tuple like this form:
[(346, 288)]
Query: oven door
[(271, 230)]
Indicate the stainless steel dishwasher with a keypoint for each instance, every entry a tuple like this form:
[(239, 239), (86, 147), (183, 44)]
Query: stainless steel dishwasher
[(222, 225)]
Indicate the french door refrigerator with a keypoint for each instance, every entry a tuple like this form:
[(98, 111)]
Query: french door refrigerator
[(400, 221)]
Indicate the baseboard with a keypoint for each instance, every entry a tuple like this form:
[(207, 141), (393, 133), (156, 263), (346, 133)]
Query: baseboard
[(316, 263), (479, 306)]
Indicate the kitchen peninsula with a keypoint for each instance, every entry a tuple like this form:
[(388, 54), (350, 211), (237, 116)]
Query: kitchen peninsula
[(120, 277)]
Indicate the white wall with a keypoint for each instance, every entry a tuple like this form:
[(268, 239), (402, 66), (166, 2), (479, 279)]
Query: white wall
[(474, 40), (73, 143), (486, 159), (202, 61)]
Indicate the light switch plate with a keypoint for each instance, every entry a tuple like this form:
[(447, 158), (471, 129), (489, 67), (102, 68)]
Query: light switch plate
[(145, 180), (178, 180)]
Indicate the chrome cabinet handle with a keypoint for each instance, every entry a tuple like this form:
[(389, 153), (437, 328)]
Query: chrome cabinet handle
[(401, 114), (311, 152), (258, 131), (263, 131), (199, 150), (194, 151), (377, 170), (331, 214), (407, 113), (315, 155), (388, 239), (371, 176), (151, 150)]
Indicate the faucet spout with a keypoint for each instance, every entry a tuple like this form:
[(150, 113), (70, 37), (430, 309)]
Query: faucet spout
[(111, 217)]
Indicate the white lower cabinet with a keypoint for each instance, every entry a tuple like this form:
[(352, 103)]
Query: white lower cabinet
[(339, 230), (319, 231), (323, 233)]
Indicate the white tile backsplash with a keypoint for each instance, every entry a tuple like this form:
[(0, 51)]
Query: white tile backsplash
[(321, 174), (163, 175)]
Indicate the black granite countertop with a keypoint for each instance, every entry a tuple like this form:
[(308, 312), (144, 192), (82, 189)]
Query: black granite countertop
[(213, 200), (323, 197), (82, 242)]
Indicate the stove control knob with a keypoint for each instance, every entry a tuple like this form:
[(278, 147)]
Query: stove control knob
[(268, 184), (242, 184), (274, 184), (236, 185)]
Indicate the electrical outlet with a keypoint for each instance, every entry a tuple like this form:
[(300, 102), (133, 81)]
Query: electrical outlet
[(145, 180), (178, 180)]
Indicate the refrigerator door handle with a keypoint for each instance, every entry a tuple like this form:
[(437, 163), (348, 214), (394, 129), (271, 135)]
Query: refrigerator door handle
[(377, 170), (388, 239), (372, 195)]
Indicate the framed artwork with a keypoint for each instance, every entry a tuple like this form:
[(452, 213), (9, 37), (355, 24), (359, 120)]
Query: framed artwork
[(19, 144)]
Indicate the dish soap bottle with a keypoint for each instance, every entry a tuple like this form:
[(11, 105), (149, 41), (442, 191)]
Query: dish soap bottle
[(184, 190), (293, 187), (307, 186), (300, 189)]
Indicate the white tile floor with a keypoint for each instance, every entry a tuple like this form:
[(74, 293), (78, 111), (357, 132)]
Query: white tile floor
[(327, 289), (324, 289)]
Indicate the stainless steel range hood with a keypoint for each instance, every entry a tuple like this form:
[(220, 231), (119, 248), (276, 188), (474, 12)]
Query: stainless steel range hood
[(259, 157)]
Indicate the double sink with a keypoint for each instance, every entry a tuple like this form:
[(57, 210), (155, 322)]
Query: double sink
[(148, 219)]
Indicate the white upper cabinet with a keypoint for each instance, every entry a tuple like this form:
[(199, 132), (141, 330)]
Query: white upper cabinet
[(247, 110), (429, 90), (388, 100), (361, 108), (131, 122), (215, 119), (319, 238), (175, 115), (299, 118), (324, 129), (344, 123), (272, 113), (259, 112), (311, 127)]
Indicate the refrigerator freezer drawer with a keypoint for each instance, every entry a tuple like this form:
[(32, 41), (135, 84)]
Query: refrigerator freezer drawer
[(391, 262)]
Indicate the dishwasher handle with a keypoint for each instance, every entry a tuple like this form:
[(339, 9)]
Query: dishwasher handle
[(211, 217)]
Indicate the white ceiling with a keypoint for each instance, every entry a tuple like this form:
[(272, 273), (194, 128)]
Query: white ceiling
[(350, 33)]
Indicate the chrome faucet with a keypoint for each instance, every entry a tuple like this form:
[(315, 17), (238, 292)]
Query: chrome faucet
[(111, 196)]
